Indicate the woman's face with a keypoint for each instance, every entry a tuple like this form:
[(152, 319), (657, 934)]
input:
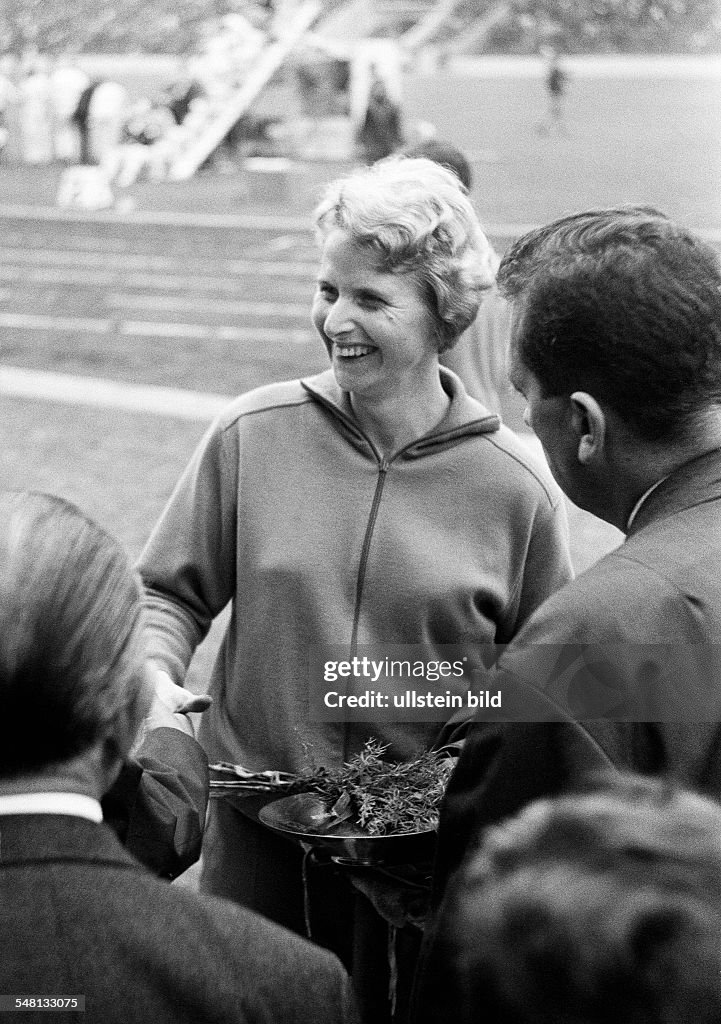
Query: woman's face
[(375, 325)]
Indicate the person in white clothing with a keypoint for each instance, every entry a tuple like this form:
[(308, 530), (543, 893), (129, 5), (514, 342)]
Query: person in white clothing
[(67, 82)]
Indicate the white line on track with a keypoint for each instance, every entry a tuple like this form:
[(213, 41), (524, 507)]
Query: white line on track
[(234, 221), (29, 322), (59, 275), (174, 304), (108, 394), (138, 261), (25, 277), (151, 329), (81, 242)]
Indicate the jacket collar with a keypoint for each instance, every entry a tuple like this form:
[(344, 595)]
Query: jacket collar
[(36, 838), (465, 417), (693, 483)]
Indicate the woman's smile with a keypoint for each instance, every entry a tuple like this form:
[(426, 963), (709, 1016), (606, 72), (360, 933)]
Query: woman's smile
[(352, 351), (374, 321)]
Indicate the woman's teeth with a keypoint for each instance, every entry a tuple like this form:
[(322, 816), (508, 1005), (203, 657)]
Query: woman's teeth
[(353, 351)]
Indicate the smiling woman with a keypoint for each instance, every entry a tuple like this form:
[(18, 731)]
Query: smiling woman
[(403, 269), (381, 341), (371, 505)]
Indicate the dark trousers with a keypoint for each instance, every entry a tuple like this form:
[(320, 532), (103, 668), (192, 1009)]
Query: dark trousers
[(248, 863)]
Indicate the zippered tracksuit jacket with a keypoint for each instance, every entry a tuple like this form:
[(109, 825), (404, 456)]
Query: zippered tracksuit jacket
[(287, 512)]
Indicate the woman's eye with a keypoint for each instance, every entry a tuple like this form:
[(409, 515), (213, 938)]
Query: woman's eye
[(327, 292), (370, 301)]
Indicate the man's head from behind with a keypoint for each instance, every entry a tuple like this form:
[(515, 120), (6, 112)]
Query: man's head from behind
[(71, 637), (602, 908), (624, 306)]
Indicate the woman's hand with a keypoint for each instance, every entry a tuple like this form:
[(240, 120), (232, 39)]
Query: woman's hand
[(171, 703)]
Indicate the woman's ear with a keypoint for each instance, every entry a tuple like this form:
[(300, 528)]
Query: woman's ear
[(589, 424)]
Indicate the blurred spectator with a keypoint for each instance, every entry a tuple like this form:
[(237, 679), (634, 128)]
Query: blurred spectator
[(181, 95), (85, 187), (147, 122), (555, 80), (81, 118), (480, 357), (36, 140), (8, 99), (593, 908), (107, 112), (380, 132), (147, 128), (67, 82)]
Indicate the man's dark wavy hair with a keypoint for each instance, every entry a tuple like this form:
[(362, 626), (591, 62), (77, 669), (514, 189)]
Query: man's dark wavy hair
[(594, 908), (624, 304)]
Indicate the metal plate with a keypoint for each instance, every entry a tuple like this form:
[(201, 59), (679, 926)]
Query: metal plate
[(304, 817)]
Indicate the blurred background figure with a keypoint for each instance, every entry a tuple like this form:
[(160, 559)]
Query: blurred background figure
[(8, 100), (67, 82), (480, 357), (555, 80), (144, 144), (181, 94), (36, 137), (593, 908), (380, 132), (375, 95), (107, 112), (81, 119)]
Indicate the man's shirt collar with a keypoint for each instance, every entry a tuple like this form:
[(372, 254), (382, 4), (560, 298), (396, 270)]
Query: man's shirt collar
[(637, 507), (76, 805)]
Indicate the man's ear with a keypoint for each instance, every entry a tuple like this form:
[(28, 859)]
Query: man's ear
[(589, 423)]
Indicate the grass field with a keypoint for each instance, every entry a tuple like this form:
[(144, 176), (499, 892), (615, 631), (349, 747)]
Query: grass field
[(119, 467)]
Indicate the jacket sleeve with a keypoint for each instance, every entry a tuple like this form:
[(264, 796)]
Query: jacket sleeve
[(544, 570), (157, 805), (547, 566), (188, 565), (502, 767), (285, 978)]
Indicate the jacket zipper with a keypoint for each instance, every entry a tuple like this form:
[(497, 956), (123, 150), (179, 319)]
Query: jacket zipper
[(365, 550)]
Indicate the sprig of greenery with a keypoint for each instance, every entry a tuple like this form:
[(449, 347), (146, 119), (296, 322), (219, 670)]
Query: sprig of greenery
[(384, 797)]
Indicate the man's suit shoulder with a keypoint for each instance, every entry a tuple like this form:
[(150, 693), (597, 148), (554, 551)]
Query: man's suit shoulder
[(178, 956), (622, 595), (291, 980)]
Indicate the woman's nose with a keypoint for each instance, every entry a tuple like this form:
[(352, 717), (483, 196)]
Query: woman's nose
[(339, 319)]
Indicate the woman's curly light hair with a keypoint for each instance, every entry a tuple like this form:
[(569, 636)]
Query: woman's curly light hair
[(417, 218)]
